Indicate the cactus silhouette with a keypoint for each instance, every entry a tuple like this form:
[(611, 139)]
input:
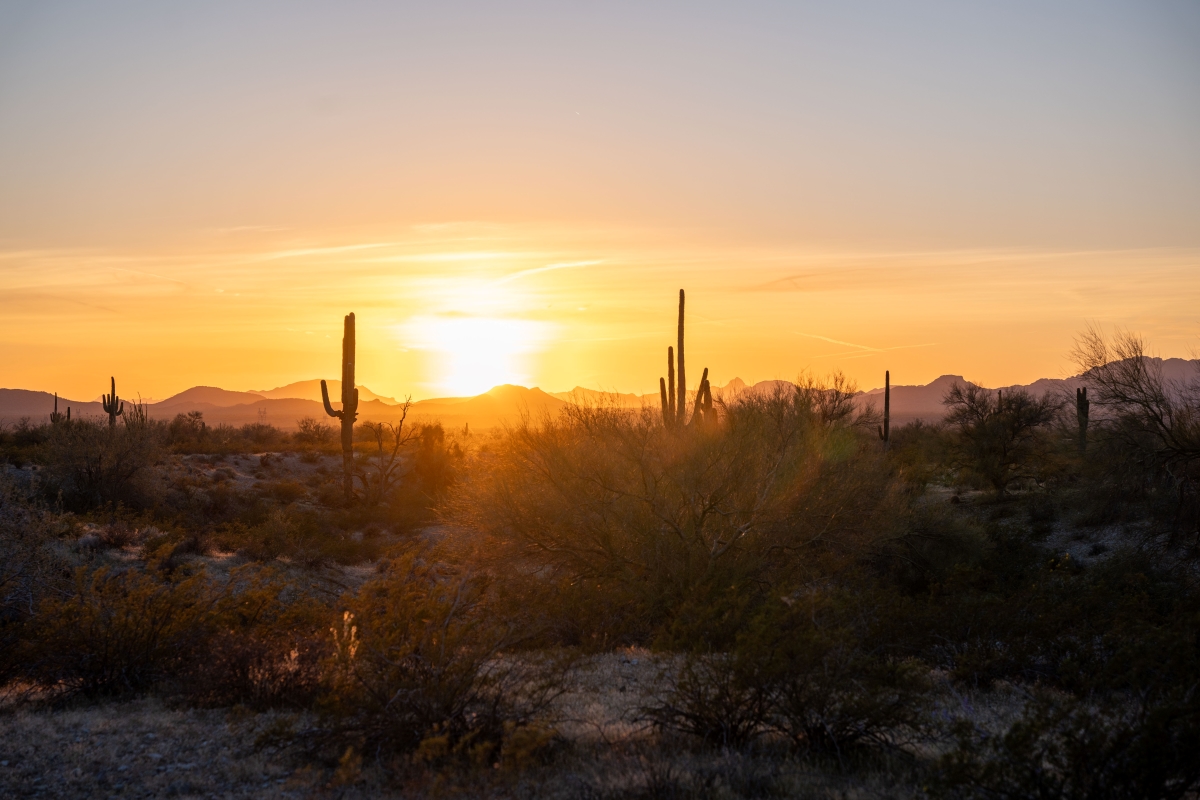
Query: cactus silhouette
[(113, 405), (1082, 406), (673, 395), (670, 408), (885, 431), (699, 407), (349, 410), (55, 417), (681, 387)]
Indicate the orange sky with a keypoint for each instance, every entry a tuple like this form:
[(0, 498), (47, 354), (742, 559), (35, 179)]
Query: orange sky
[(515, 193)]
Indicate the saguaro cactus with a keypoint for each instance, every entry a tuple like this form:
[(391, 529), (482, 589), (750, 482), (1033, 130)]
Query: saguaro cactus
[(1082, 406), (885, 431), (55, 417), (113, 405), (681, 406), (672, 394), (349, 410)]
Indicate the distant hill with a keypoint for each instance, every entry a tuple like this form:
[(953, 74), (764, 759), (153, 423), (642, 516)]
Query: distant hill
[(210, 395), (311, 390)]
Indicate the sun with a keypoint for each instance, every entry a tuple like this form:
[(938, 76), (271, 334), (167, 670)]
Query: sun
[(472, 354)]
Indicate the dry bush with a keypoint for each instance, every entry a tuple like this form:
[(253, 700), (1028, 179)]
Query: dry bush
[(420, 667)]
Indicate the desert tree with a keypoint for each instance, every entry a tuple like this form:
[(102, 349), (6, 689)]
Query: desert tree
[(997, 433), (1149, 414)]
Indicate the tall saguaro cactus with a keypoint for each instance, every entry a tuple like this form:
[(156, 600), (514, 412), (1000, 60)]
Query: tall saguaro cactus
[(1082, 406), (113, 405), (681, 405), (349, 410), (885, 431)]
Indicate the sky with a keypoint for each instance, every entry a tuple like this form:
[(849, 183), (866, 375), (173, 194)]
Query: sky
[(196, 193)]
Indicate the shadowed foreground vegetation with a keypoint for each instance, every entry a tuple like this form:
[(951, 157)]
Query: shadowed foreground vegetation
[(769, 601)]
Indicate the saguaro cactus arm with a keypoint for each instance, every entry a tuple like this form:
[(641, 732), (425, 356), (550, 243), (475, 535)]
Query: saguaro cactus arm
[(325, 399), (698, 407)]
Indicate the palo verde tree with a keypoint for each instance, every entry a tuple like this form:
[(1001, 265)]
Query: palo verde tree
[(997, 434)]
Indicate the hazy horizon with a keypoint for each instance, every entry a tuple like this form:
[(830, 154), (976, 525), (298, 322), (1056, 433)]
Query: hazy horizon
[(515, 195)]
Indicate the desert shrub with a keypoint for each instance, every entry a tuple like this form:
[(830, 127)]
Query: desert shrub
[(837, 677), (420, 668), (819, 667), (1137, 745), (19, 443), (119, 632), (90, 464), (300, 536), (712, 698), (920, 451), (187, 433), (668, 518), (313, 433), (31, 568), (266, 649), (285, 491)]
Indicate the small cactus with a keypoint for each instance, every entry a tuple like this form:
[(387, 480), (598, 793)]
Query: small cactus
[(349, 410), (55, 416), (1082, 406), (885, 431), (113, 405)]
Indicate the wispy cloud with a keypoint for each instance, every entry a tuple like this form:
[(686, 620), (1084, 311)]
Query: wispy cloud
[(512, 276)]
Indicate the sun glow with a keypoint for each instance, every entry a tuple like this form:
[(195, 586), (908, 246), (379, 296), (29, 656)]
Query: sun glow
[(472, 354)]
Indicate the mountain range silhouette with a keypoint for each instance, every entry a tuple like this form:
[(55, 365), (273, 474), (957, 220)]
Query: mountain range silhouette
[(284, 405)]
